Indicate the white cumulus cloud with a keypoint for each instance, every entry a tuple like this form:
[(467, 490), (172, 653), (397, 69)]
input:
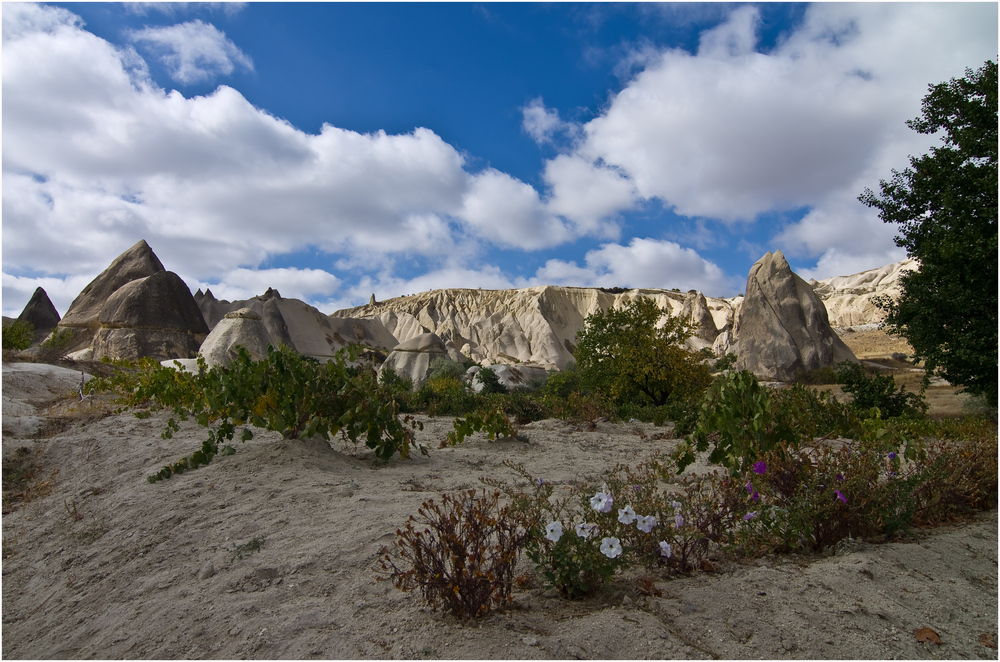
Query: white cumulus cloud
[(194, 51), (649, 263), (97, 156), (730, 132)]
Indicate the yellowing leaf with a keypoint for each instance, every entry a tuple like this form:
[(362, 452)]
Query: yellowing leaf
[(927, 634)]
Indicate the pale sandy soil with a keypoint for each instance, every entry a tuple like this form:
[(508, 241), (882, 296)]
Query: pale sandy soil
[(102, 564)]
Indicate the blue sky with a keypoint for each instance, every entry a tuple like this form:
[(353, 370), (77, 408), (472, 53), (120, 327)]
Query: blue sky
[(333, 150)]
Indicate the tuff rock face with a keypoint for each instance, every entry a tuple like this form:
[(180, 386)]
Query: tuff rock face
[(782, 327), (299, 325), (241, 327), (696, 307), (155, 316), (849, 299), (534, 326), (83, 316), (41, 314), (412, 359)]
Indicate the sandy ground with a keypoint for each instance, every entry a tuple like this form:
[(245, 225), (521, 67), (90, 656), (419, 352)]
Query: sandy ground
[(101, 564)]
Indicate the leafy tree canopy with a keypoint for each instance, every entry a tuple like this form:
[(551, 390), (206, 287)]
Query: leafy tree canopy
[(624, 354), (946, 206)]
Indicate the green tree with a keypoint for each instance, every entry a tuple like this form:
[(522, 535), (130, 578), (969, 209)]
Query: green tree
[(946, 206), (624, 354)]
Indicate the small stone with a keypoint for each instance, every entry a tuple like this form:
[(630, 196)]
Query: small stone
[(206, 571), (530, 641)]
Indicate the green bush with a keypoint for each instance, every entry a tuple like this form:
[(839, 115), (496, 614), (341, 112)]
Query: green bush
[(286, 392), (442, 367), (745, 420), (628, 355), (54, 347), (878, 392), (18, 335), (491, 383)]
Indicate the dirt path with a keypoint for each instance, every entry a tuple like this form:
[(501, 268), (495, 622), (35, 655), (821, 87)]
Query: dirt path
[(269, 554)]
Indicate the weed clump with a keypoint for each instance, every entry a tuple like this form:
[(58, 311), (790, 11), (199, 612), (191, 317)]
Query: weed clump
[(460, 554)]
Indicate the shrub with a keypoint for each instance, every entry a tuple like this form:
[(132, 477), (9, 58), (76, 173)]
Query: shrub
[(54, 347), (744, 420), (823, 375), (578, 541), (460, 554), (630, 355), (18, 335), (490, 381), (394, 382), (878, 391), (287, 393), (562, 384), (442, 367)]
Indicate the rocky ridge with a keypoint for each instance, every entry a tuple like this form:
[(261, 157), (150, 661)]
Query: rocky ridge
[(534, 325)]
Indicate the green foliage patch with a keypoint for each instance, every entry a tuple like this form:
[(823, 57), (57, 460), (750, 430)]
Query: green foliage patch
[(287, 392), (945, 205), (18, 335)]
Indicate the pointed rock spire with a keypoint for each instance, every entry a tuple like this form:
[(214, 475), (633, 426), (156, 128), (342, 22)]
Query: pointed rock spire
[(137, 262)]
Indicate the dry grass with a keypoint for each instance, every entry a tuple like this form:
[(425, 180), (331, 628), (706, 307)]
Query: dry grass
[(875, 344)]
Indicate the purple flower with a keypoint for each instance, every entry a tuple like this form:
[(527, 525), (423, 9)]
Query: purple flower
[(755, 496), (637, 488), (840, 478), (679, 520), (539, 482), (749, 487), (760, 468), (840, 496), (749, 516), (892, 456)]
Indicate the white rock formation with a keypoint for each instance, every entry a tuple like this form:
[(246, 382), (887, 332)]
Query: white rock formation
[(299, 325), (241, 327), (412, 359), (848, 299), (534, 326)]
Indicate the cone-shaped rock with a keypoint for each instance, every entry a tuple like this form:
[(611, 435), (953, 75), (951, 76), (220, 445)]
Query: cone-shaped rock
[(154, 316), (40, 313), (83, 315), (783, 328)]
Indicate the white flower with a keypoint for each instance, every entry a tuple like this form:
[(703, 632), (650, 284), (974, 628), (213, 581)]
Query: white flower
[(665, 549), (675, 505), (601, 502), (645, 523), (554, 531), (611, 548), (585, 529), (626, 515), (679, 520)]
